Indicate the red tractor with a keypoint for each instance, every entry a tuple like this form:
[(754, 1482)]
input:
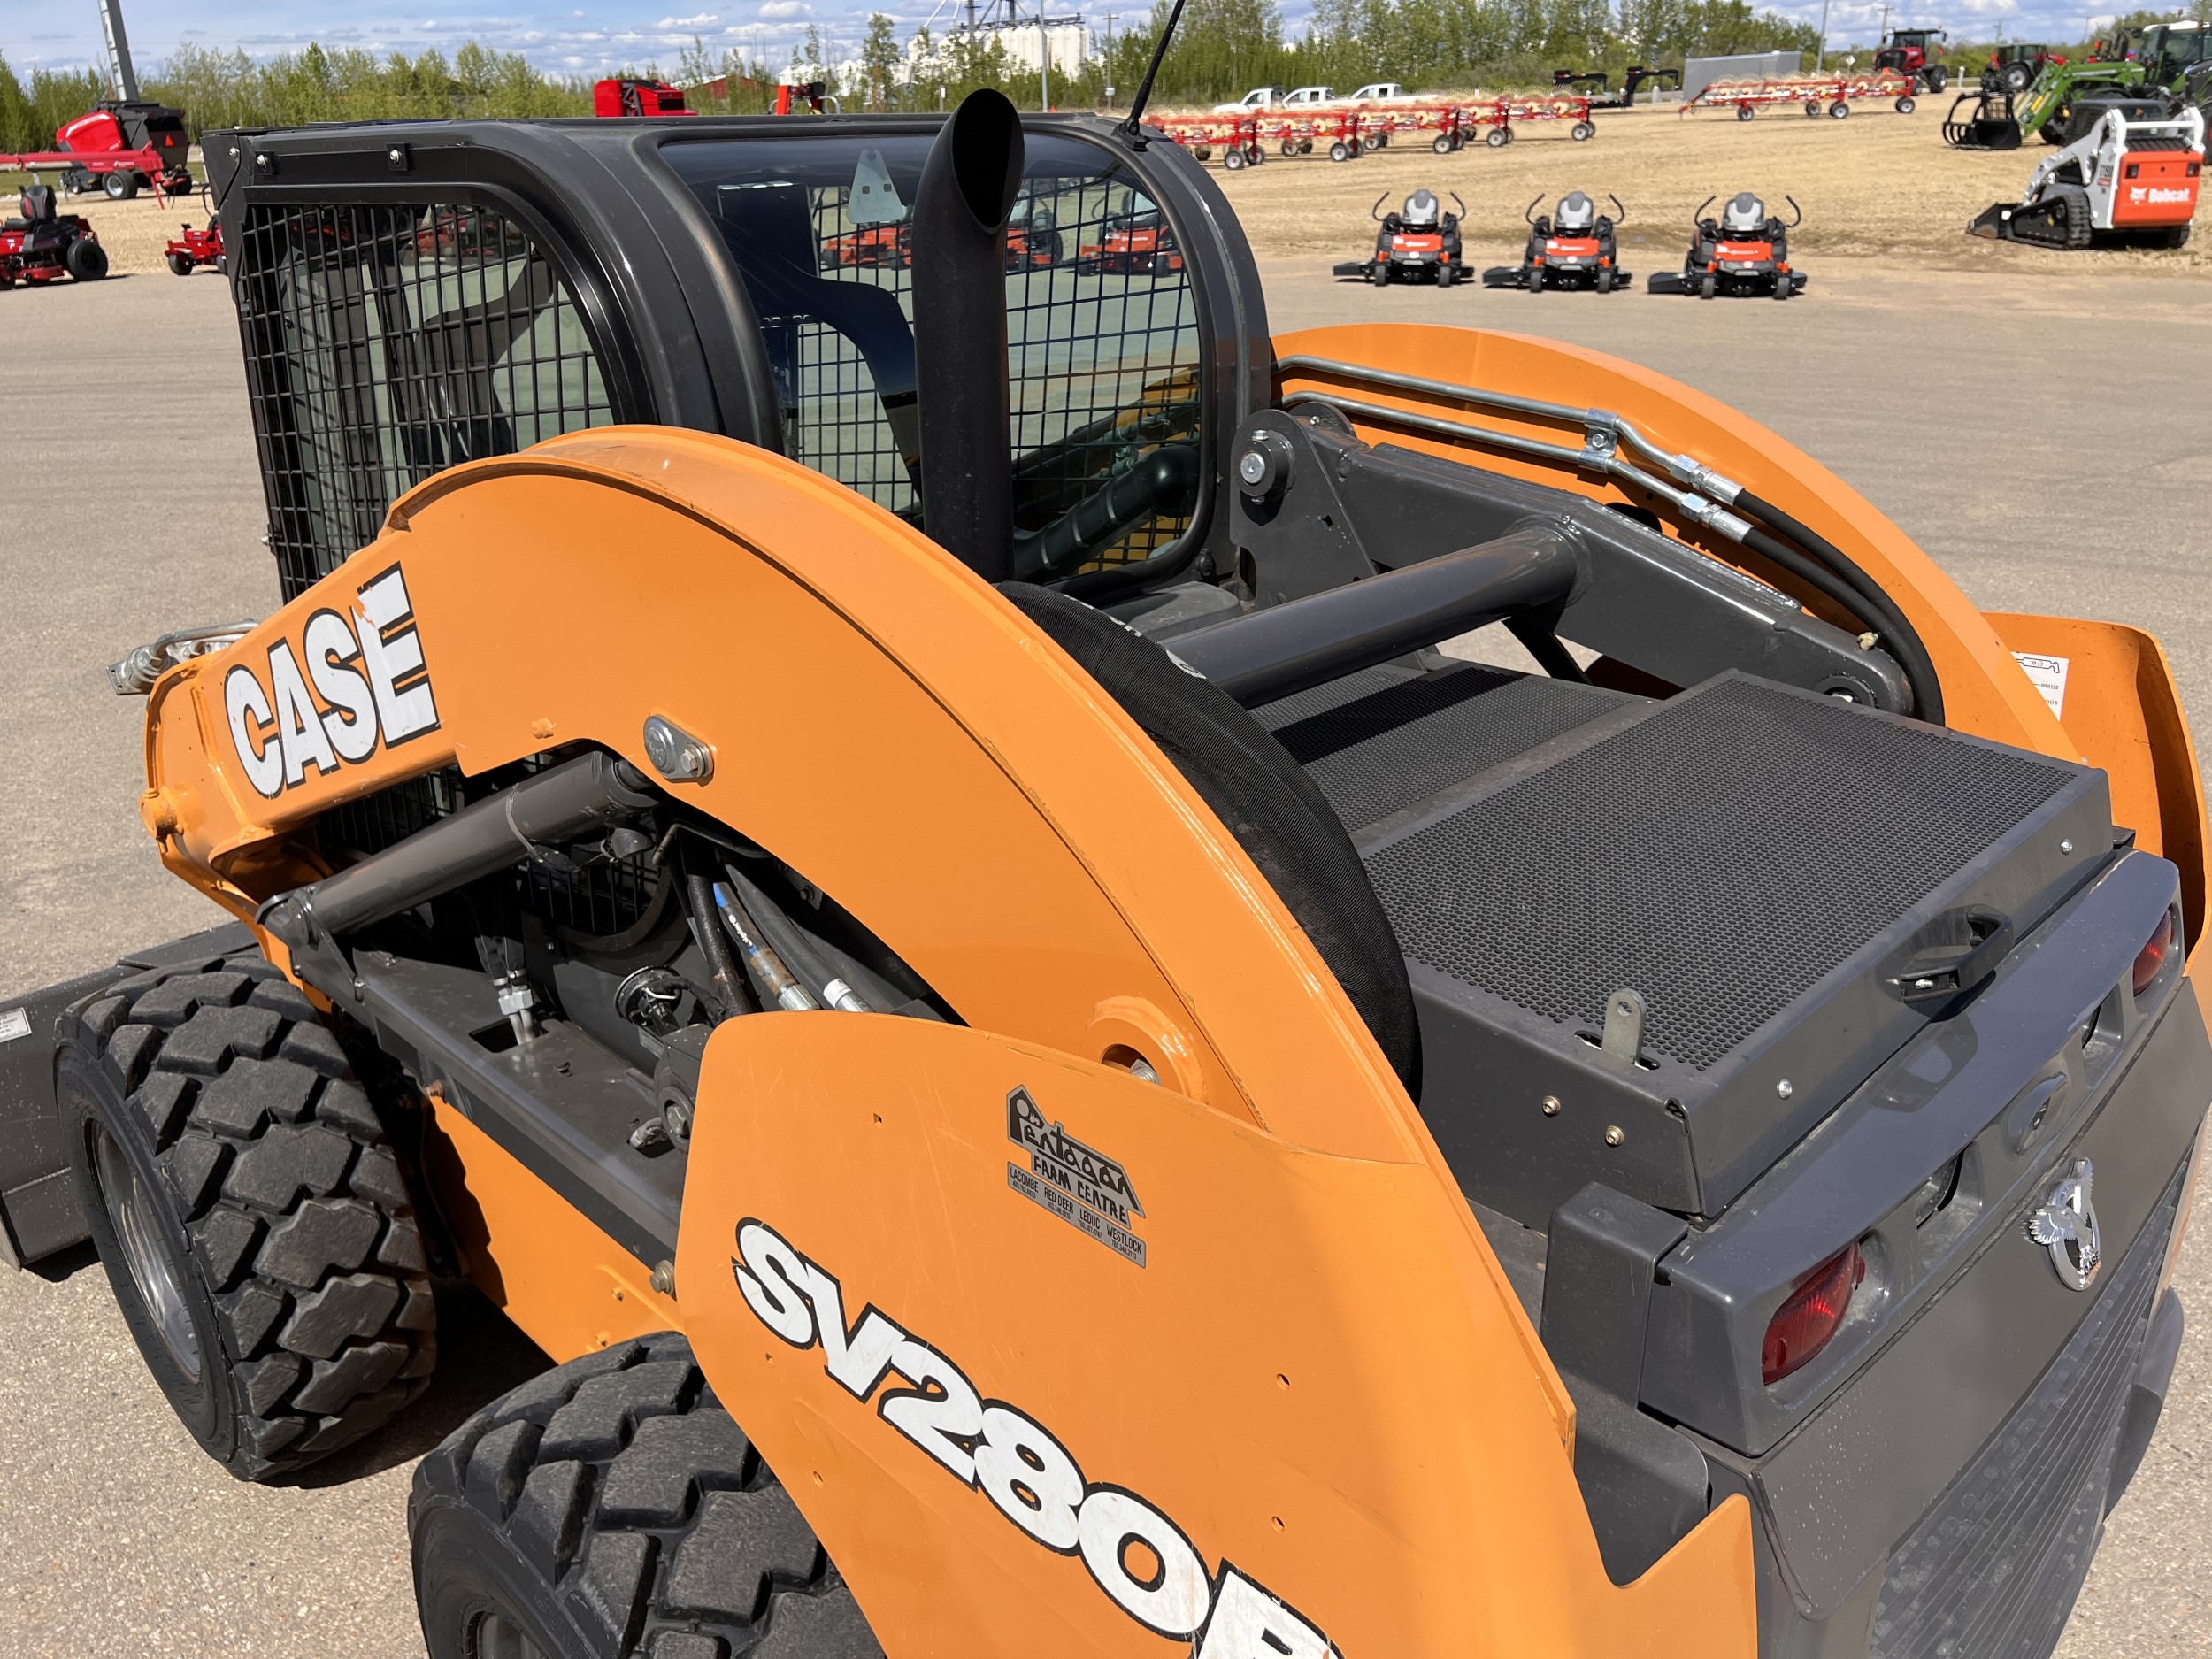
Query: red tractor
[(42, 246), (1573, 248), (197, 248), (1915, 52)]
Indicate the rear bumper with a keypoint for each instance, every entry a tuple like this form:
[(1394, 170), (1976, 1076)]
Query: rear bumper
[(1949, 1501)]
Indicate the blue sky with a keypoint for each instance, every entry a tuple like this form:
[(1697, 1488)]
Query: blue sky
[(67, 34)]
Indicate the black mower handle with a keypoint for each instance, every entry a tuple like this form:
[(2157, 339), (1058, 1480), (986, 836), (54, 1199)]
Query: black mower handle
[(1462, 206), (1375, 212), (1800, 211), (1617, 208), (1528, 213), (1700, 211)]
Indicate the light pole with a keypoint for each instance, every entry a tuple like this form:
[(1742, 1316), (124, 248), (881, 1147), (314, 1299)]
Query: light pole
[(1820, 53)]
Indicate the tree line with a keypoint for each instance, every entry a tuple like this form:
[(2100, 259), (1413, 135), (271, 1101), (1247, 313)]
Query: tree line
[(1222, 48)]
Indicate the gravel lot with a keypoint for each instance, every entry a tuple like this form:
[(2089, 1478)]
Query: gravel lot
[(117, 1538)]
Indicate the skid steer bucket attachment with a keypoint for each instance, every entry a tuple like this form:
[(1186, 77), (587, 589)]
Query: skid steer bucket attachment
[(1982, 121)]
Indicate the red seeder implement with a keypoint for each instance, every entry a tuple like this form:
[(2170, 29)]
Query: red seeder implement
[(1831, 93)]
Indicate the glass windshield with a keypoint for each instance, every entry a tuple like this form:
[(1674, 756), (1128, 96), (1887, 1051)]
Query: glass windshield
[(1101, 332)]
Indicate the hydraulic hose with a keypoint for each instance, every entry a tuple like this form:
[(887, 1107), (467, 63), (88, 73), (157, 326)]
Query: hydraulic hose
[(730, 983), (1872, 603)]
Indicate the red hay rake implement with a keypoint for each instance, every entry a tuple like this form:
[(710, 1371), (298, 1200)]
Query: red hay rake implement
[(1235, 136), (1833, 94), (1500, 115)]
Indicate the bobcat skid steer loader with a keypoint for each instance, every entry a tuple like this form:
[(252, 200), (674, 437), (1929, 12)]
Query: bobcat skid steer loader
[(884, 858)]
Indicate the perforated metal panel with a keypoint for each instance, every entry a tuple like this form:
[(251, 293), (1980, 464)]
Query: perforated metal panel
[(1402, 739), (1720, 856)]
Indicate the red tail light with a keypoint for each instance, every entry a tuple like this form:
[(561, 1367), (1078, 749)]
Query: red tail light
[(2153, 957), (1802, 1326)]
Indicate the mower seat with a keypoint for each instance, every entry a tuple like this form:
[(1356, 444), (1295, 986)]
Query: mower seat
[(38, 203)]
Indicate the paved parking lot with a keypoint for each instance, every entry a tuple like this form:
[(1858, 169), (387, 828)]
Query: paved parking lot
[(136, 508)]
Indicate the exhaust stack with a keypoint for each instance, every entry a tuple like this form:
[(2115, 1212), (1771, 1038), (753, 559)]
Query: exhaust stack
[(961, 209)]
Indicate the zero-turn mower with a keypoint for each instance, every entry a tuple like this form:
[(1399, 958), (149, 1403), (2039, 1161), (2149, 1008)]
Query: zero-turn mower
[(39, 245), (2126, 180), (1055, 1076), (1744, 252), (1419, 242), (1573, 248)]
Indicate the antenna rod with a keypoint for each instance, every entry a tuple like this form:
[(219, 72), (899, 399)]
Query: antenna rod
[(1144, 87)]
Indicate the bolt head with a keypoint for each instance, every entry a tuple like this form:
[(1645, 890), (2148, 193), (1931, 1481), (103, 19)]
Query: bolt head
[(1551, 1105), (1785, 1088), (675, 754), (1614, 1134), (1253, 467), (2066, 847)]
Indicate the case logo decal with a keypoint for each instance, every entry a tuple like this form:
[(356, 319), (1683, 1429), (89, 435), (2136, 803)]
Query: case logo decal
[(1139, 1559), (363, 681), (1084, 1187)]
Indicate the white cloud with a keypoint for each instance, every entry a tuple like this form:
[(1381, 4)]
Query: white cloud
[(780, 10), (698, 22)]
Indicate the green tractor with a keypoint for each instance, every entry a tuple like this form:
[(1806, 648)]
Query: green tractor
[(2032, 89), (2168, 57)]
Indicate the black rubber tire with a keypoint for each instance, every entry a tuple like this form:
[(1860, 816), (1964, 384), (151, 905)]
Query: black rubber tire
[(610, 1507), (1906, 104), (2176, 237), (1535, 283), (266, 1185), (1839, 111), (1340, 152), (1602, 281), (1232, 159), (1498, 137), (179, 264), (2016, 78), (1582, 132), (1442, 144), (1938, 79), (1812, 109), (1278, 816), (120, 185), (87, 260), (1708, 286)]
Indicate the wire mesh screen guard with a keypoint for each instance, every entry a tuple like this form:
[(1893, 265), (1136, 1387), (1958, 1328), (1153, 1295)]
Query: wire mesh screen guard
[(385, 343), (1720, 856), (1102, 353)]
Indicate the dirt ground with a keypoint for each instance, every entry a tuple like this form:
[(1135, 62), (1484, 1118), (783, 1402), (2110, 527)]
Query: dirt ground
[(1875, 184)]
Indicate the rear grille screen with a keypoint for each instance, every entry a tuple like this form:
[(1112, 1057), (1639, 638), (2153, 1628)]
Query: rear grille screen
[(386, 342), (1720, 857)]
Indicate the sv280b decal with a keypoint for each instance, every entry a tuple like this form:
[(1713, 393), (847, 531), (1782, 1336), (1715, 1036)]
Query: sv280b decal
[(364, 681), (1144, 1562)]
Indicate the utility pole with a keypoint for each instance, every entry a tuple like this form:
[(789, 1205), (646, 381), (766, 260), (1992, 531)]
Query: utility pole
[(1110, 58), (1820, 53), (120, 70), (1884, 33), (1044, 60)]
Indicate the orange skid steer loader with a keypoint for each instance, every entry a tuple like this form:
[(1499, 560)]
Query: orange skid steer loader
[(888, 863)]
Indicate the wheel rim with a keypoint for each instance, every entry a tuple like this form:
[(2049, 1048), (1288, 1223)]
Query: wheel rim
[(494, 1638), (136, 1230)]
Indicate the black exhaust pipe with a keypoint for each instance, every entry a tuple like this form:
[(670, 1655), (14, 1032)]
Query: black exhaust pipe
[(593, 791), (961, 209)]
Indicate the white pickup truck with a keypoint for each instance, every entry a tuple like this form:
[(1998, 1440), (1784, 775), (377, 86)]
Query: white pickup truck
[(1378, 92), (1258, 98)]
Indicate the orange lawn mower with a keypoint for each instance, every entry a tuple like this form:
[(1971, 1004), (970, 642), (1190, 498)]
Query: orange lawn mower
[(1418, 242), (1573, 248), (1745, 252)]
